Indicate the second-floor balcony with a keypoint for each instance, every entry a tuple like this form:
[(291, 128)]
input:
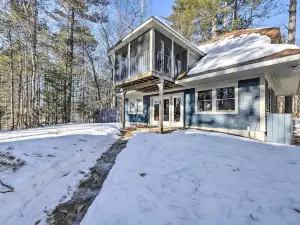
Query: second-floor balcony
[(140, 64), (152, 51)]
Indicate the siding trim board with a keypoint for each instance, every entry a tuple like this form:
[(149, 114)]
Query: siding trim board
[(251, 110)]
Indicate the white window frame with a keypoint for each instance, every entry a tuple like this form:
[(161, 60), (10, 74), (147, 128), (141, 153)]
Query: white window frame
[(214, 98), (135, 112), (209, 89)]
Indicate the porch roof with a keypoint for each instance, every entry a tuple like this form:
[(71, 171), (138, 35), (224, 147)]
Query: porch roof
[(162, 27)]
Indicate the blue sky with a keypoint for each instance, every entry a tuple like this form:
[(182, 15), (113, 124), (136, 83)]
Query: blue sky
[(163, 8)]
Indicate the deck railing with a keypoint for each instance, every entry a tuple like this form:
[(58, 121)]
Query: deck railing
[(162, 63), (140, 64)]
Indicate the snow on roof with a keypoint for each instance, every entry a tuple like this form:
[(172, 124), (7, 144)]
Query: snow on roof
[(233, 50)]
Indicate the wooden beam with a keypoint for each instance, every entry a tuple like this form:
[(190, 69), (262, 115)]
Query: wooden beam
[(161, 106), (123, 109), (142, 85)]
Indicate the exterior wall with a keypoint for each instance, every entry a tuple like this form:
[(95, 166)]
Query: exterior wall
[(139, 118), (249, 104), (248, 110)]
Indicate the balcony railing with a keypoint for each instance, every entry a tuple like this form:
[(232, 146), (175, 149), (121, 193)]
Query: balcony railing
[(141, 64), (162, 63)]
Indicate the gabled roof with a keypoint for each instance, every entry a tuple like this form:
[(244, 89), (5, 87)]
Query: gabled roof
[(154, 22), (240, 48)]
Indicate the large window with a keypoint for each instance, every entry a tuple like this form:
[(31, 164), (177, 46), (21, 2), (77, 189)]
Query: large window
[(135, 106), (219, 99), (226, 98), (204, 100)]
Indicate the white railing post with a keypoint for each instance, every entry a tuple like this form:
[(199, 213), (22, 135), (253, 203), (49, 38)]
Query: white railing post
[(172, 60), (152, 50), (129, 60)]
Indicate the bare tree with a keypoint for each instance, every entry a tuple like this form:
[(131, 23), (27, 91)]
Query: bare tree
[(292, 21)]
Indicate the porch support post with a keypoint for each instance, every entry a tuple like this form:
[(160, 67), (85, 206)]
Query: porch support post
[(161, 105), (172, 60), (123, 109), (152, 50), (114, 102), (129, 61)]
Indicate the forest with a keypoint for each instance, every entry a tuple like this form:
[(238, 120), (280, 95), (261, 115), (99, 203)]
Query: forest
[(54, 61)]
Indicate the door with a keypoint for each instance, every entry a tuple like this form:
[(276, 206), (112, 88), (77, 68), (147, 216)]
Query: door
[(177, 110), (155, 111), (173, 110)]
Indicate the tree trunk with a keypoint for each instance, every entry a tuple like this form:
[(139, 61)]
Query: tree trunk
[(70, 57), (34, 63), (292, 21), (214, 28), (95, 75), (12, 82), (234, 14), (225, 15)]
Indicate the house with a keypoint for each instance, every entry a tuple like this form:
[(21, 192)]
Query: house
[(228, 85)]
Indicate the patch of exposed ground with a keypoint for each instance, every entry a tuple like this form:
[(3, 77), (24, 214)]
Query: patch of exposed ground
[(73, 211), (9, 162)]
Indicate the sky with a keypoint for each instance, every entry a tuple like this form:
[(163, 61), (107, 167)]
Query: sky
[(163, 8)]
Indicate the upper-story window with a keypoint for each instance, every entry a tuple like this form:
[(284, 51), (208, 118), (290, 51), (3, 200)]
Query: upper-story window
[(180, 57), (163, 51), (139, 54), (121, 63)]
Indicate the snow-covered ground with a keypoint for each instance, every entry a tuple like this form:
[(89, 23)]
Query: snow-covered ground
[(56, 159), (193, 177)]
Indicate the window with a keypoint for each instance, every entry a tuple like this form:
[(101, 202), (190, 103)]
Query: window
[(204, 100), (217, 99), (166, 110), (139, 105), (135, 106), (226, 98)]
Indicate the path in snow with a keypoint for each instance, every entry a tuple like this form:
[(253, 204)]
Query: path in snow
[(193, 177), (56, 159)]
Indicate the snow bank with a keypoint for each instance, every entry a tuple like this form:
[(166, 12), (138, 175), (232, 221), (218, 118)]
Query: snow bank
[(233, 50), (193, 177), (56, 159)]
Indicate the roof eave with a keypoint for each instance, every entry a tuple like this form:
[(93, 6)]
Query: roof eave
[(235, 69), (155, 21)]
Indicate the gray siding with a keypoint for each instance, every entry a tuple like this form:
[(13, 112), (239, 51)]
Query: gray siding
[(248, 107)]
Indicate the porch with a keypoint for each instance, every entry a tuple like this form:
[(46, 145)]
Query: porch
[(149, 60), (150, 53)]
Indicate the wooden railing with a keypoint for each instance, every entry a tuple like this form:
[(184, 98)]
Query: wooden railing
[(162, 63), (140, 64)]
